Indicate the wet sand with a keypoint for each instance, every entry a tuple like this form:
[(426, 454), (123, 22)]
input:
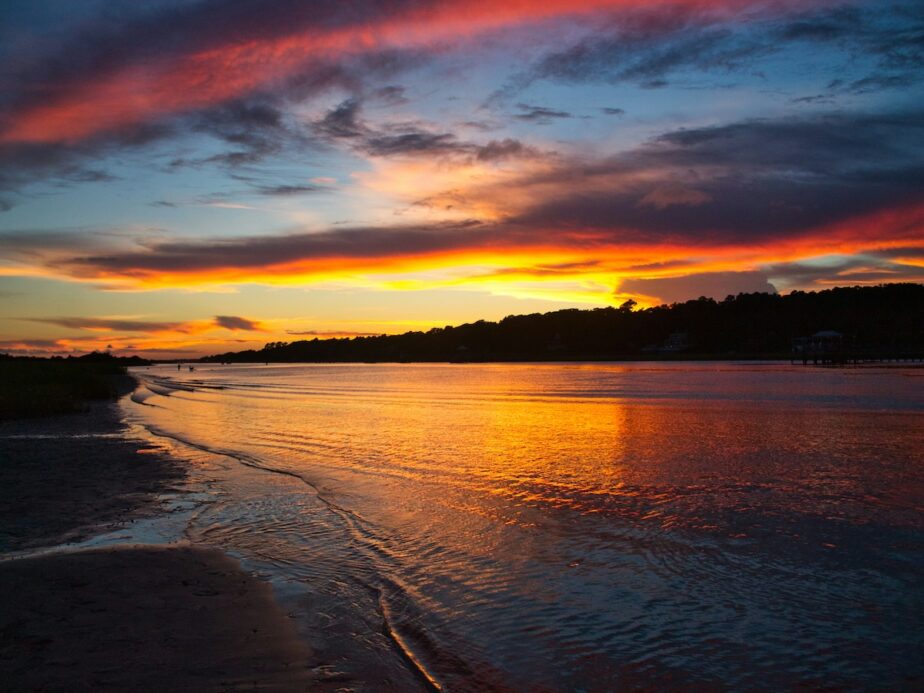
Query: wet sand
[(139, 618), (67, 477), (144, 619)]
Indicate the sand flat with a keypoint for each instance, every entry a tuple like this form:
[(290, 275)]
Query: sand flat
[(144, 618), (68, 477)]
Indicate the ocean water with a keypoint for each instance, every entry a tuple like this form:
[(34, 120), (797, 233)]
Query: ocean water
[(569, 527)]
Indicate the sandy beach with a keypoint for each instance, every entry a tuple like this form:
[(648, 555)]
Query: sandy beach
[(144, 618), (141, 618), (66, 477)]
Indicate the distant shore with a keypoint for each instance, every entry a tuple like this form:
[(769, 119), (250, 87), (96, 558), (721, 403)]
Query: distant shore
[(841, 324), (176, 617), (915, 362)]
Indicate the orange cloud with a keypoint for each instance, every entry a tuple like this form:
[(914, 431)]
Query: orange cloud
[(564, 265), (156, 339), (120, 324)]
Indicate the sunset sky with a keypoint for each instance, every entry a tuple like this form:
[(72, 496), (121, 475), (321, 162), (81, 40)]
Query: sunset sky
[(185, 177)]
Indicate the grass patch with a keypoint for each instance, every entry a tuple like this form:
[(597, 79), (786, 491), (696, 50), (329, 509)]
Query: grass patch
[(32, 387)]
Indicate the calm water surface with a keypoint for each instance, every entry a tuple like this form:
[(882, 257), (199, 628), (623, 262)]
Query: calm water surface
[(570, 527)]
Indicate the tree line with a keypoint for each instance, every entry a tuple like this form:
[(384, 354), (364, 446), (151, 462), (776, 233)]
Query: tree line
[(754, 325)]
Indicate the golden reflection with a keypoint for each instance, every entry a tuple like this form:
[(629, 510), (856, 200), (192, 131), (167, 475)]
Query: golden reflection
[(502, 442)]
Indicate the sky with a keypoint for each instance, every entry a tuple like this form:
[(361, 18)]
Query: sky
[(189, 177)]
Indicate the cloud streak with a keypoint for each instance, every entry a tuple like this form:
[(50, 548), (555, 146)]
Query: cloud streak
[(227, 322), (771, 186), (344, 124), (198, 57), (234, 322), (649, 47)]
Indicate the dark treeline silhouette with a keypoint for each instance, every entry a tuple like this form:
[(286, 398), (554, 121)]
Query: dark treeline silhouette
[(888, 319), (32, 386)]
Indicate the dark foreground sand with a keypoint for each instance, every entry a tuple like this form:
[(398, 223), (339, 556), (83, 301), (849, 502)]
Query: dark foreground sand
[(143, 619), (129, 618), (66, 477)]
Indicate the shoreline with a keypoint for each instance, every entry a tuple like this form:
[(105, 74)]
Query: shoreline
[(746, 360), (127, 616), (67, 477)]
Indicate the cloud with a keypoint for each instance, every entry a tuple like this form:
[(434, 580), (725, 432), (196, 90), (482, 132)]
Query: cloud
[(838, 270), (383, 250), (715, 285), (260, 252), (344, 123), (768, 184), (185, 58), (233, 322), (237, 72), (113, 324), (287, 190), (228, 322), (670, 195), (391, 95), (180, 60), (25, 246), (539, 114), (251, 128), (255, 128), (29, 344), (508, 148), (557, 269), (797, 184), (650, 46), (225, 199), (411, 143), (752, 179), (878, 81), (641, 58)]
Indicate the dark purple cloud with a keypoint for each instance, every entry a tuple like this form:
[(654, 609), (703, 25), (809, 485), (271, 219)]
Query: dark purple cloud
[(715, 285), (742, 181), (539, 114), (234, 322), (344, 124), (267, 251), (651, 47), (80, 323)]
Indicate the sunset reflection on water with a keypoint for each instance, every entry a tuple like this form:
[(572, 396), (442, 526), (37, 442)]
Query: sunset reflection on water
[(650, 524)]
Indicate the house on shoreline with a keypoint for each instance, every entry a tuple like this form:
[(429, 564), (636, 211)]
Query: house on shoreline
[(824, 346)]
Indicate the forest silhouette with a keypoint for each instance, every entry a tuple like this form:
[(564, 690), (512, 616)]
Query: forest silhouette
[(886, 319)]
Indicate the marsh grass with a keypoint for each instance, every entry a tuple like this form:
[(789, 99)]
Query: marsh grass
[(40, 387)]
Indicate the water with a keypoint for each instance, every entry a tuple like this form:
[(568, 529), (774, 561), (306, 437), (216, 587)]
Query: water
[(569, 527)]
